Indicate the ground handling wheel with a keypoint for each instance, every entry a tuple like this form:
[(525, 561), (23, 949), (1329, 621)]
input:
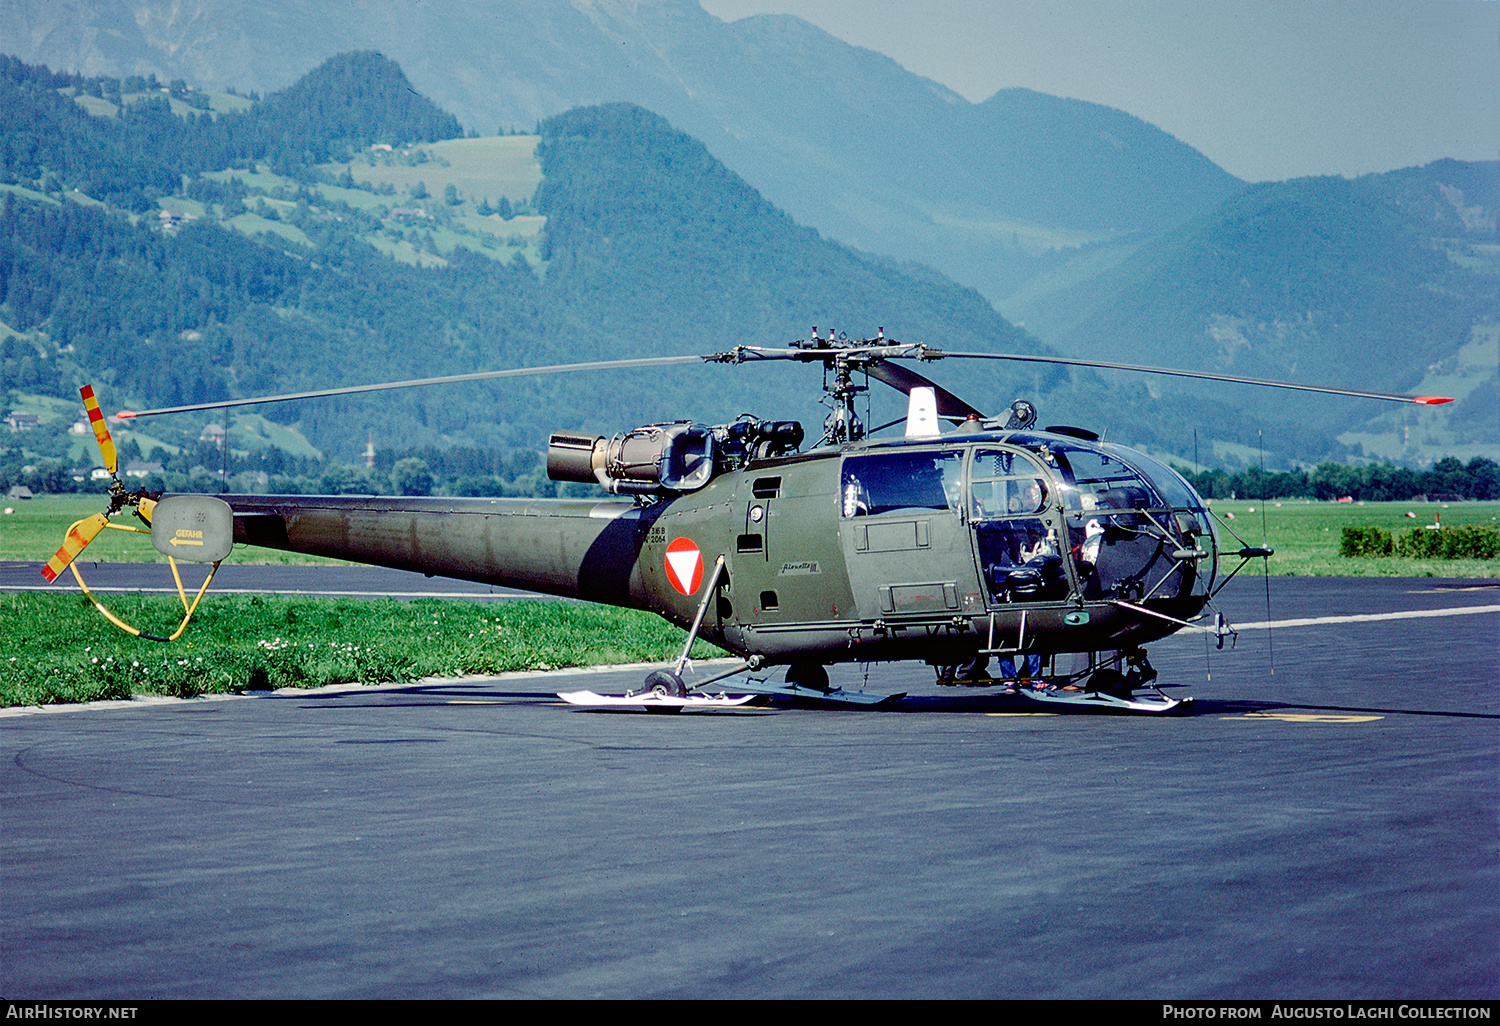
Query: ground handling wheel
[(665, 684)]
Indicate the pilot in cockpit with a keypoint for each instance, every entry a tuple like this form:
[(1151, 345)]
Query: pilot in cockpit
[(1026, 497)]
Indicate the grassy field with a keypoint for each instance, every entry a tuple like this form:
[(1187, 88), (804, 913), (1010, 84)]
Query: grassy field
[(490, 167), (219, 103), (1306, 535), (486, 169), (56, 648)]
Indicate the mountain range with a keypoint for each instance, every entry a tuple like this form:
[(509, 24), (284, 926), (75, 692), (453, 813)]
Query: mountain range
[(842, 138), (267, 274), (1103, 235)]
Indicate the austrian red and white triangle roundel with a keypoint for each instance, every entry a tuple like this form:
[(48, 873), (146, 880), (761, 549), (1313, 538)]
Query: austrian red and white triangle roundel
[(684, 565)]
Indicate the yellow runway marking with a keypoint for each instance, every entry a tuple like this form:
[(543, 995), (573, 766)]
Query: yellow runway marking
[(1449, 591), (1307, 717)]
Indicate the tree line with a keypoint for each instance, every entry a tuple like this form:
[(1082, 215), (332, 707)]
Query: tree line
[(471, 471), (1376, 482)]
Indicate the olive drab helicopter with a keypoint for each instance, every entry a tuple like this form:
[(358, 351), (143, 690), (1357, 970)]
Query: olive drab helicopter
[(1040, 561)]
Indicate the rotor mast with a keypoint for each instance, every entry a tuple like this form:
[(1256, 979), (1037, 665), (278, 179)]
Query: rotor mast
[(841, 359), (842, 425)]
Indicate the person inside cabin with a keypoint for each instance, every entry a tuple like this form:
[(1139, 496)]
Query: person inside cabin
[(1026, 496), (1021, 560)]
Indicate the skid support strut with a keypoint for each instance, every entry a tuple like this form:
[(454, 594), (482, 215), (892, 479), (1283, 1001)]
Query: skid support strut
[(710, 589)]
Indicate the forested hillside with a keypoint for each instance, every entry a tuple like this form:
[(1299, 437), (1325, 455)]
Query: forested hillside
[(650, 246), (141, 152), (622, 187), (844, 139), (174, 246)]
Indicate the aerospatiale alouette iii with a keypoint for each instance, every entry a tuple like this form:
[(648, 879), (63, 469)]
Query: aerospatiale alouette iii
[(1036, 560)]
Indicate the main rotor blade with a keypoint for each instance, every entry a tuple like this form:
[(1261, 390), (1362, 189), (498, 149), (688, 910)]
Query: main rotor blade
[(872, 353), (949, 406), (101, 429), (1399, 397), (77, 540), (871, 356), (518, 372)]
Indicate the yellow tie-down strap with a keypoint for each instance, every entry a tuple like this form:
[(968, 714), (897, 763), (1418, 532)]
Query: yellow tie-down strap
[(188, 607)]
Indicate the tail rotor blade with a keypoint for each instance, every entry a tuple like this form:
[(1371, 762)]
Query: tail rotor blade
[(101, 429), (77, 540)]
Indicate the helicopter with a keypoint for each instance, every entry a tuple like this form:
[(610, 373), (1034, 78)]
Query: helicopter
[(1049, 554)]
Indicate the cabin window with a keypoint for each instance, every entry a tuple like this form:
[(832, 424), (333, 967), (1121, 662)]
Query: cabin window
[(1020, 554), (1005, 484), (890, 482), (1020, 560)]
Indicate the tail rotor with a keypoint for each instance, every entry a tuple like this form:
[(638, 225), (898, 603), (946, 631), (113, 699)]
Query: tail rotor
[(86, 530), (79, 535), (101, 432), (190, 528)]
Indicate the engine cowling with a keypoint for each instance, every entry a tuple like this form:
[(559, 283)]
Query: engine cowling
[(666, 458)]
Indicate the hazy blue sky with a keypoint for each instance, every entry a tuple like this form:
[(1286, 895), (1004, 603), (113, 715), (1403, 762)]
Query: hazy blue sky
[(1268, 89)]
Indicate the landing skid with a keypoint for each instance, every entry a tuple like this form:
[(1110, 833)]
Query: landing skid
[(1100, 700), (649, 701), (836, 696), (1104, 687)]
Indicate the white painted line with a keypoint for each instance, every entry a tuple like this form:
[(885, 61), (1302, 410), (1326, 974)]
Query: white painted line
[(1410, 614)]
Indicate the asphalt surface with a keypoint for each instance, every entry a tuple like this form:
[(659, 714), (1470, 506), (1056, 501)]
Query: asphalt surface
[(1322, 823)]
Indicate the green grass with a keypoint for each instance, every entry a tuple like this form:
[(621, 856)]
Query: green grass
[(56, 648), (1306, 536), (218, 103), (490, 167), (487, 168), (35, 528), (254, 432), (254, 225)]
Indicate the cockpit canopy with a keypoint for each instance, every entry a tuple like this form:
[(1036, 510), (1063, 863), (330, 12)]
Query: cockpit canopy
[(1050, 515)]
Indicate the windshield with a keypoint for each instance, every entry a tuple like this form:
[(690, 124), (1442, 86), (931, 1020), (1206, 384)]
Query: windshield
[(1135, 528), (1172, 485)]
